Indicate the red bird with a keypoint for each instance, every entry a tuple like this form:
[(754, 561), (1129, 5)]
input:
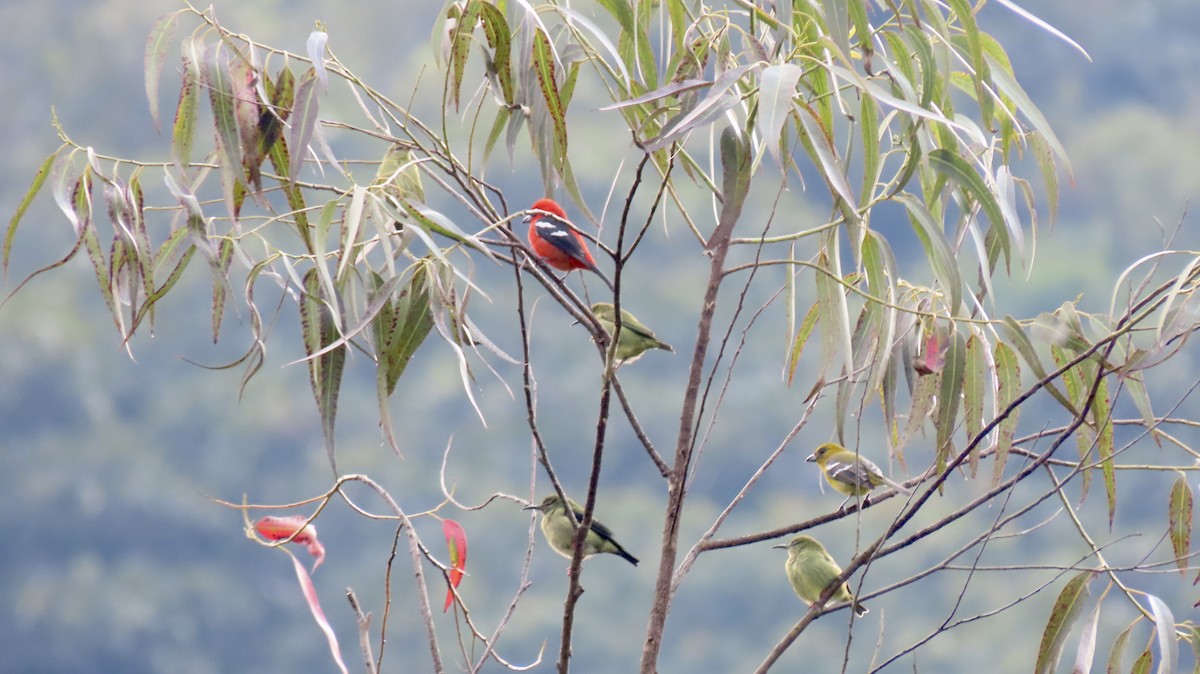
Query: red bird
[(555, 241)]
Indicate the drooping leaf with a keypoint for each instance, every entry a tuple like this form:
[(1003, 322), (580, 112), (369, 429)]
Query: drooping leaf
[(776, 87), (1008, 377), (1179, 521), (1117, 653), (314, 605), (937, 248), (39, 179), (1086, 651), (160, 36), (460, 47), (325, 371), (315, 47), (218, 78), (950, 397), (499, 38), (716, 102), (220, 284), (183, 131), (456, 542), (544, 67), (736, 166), (974, 383), (305, 110), (811, 319), (1102, 416), (1063, 616), (1164, 632)]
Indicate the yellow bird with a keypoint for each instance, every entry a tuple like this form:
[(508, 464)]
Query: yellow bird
[(849, 473)]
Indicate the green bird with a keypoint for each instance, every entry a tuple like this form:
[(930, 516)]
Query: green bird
[(635, 340), (559, 532), (811, 570)]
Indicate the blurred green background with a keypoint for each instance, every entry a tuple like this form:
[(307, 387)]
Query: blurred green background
[(115, 559)]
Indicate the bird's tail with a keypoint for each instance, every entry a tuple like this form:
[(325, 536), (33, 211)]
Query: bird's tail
[(896, 485), (621, 552), (860, 610), (604, 278)]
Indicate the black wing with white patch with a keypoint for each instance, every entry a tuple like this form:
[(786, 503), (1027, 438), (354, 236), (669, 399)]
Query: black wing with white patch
[(555, 231)]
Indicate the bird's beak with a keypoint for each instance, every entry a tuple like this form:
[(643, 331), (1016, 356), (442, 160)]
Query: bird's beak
[(527, 218), (532, 507), (811, 457), (781, 546)]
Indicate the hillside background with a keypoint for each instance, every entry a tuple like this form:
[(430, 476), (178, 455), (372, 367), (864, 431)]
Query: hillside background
[(115, 559)]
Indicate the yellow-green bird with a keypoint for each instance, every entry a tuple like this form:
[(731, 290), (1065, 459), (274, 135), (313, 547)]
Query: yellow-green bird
[(811, 570), (560, 533), (849, 473), (635, 340)]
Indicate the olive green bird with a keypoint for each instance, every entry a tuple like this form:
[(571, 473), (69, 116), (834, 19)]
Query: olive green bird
[(560, 533), (811, 570), (635, 340)]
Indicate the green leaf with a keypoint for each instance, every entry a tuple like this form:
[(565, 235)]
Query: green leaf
[(1066, 611), (39, 179), (160, 36), (1102, 417), (954, 167), (621, 11), (499, 38), (183, 131), (1117, 654), (736, 168), (1143, 663), (981, 72), (974, 382), (1008, 377), (820, 144), (1024, 346), (460, 47), (1179, 521), (950, 397), (1008, 87), (922, 405), (218, 81), (811, 319), (937, 248), (413, 323), (325, 371), (303, 120), (220, 284), (543, 64)]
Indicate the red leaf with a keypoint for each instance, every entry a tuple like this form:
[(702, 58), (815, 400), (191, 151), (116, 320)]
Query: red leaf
[(282, 528), (933, 355), (456, 542)]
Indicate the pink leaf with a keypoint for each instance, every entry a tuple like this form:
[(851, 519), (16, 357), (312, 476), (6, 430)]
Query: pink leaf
[(456, 541), (293, 526), (314, 605)]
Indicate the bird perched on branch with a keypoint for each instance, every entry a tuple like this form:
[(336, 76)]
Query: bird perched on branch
[(556, 241), (811, 570), (635, 339), (560, 533), (849, 473)]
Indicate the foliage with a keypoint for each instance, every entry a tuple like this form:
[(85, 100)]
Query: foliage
[(908, 110)]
